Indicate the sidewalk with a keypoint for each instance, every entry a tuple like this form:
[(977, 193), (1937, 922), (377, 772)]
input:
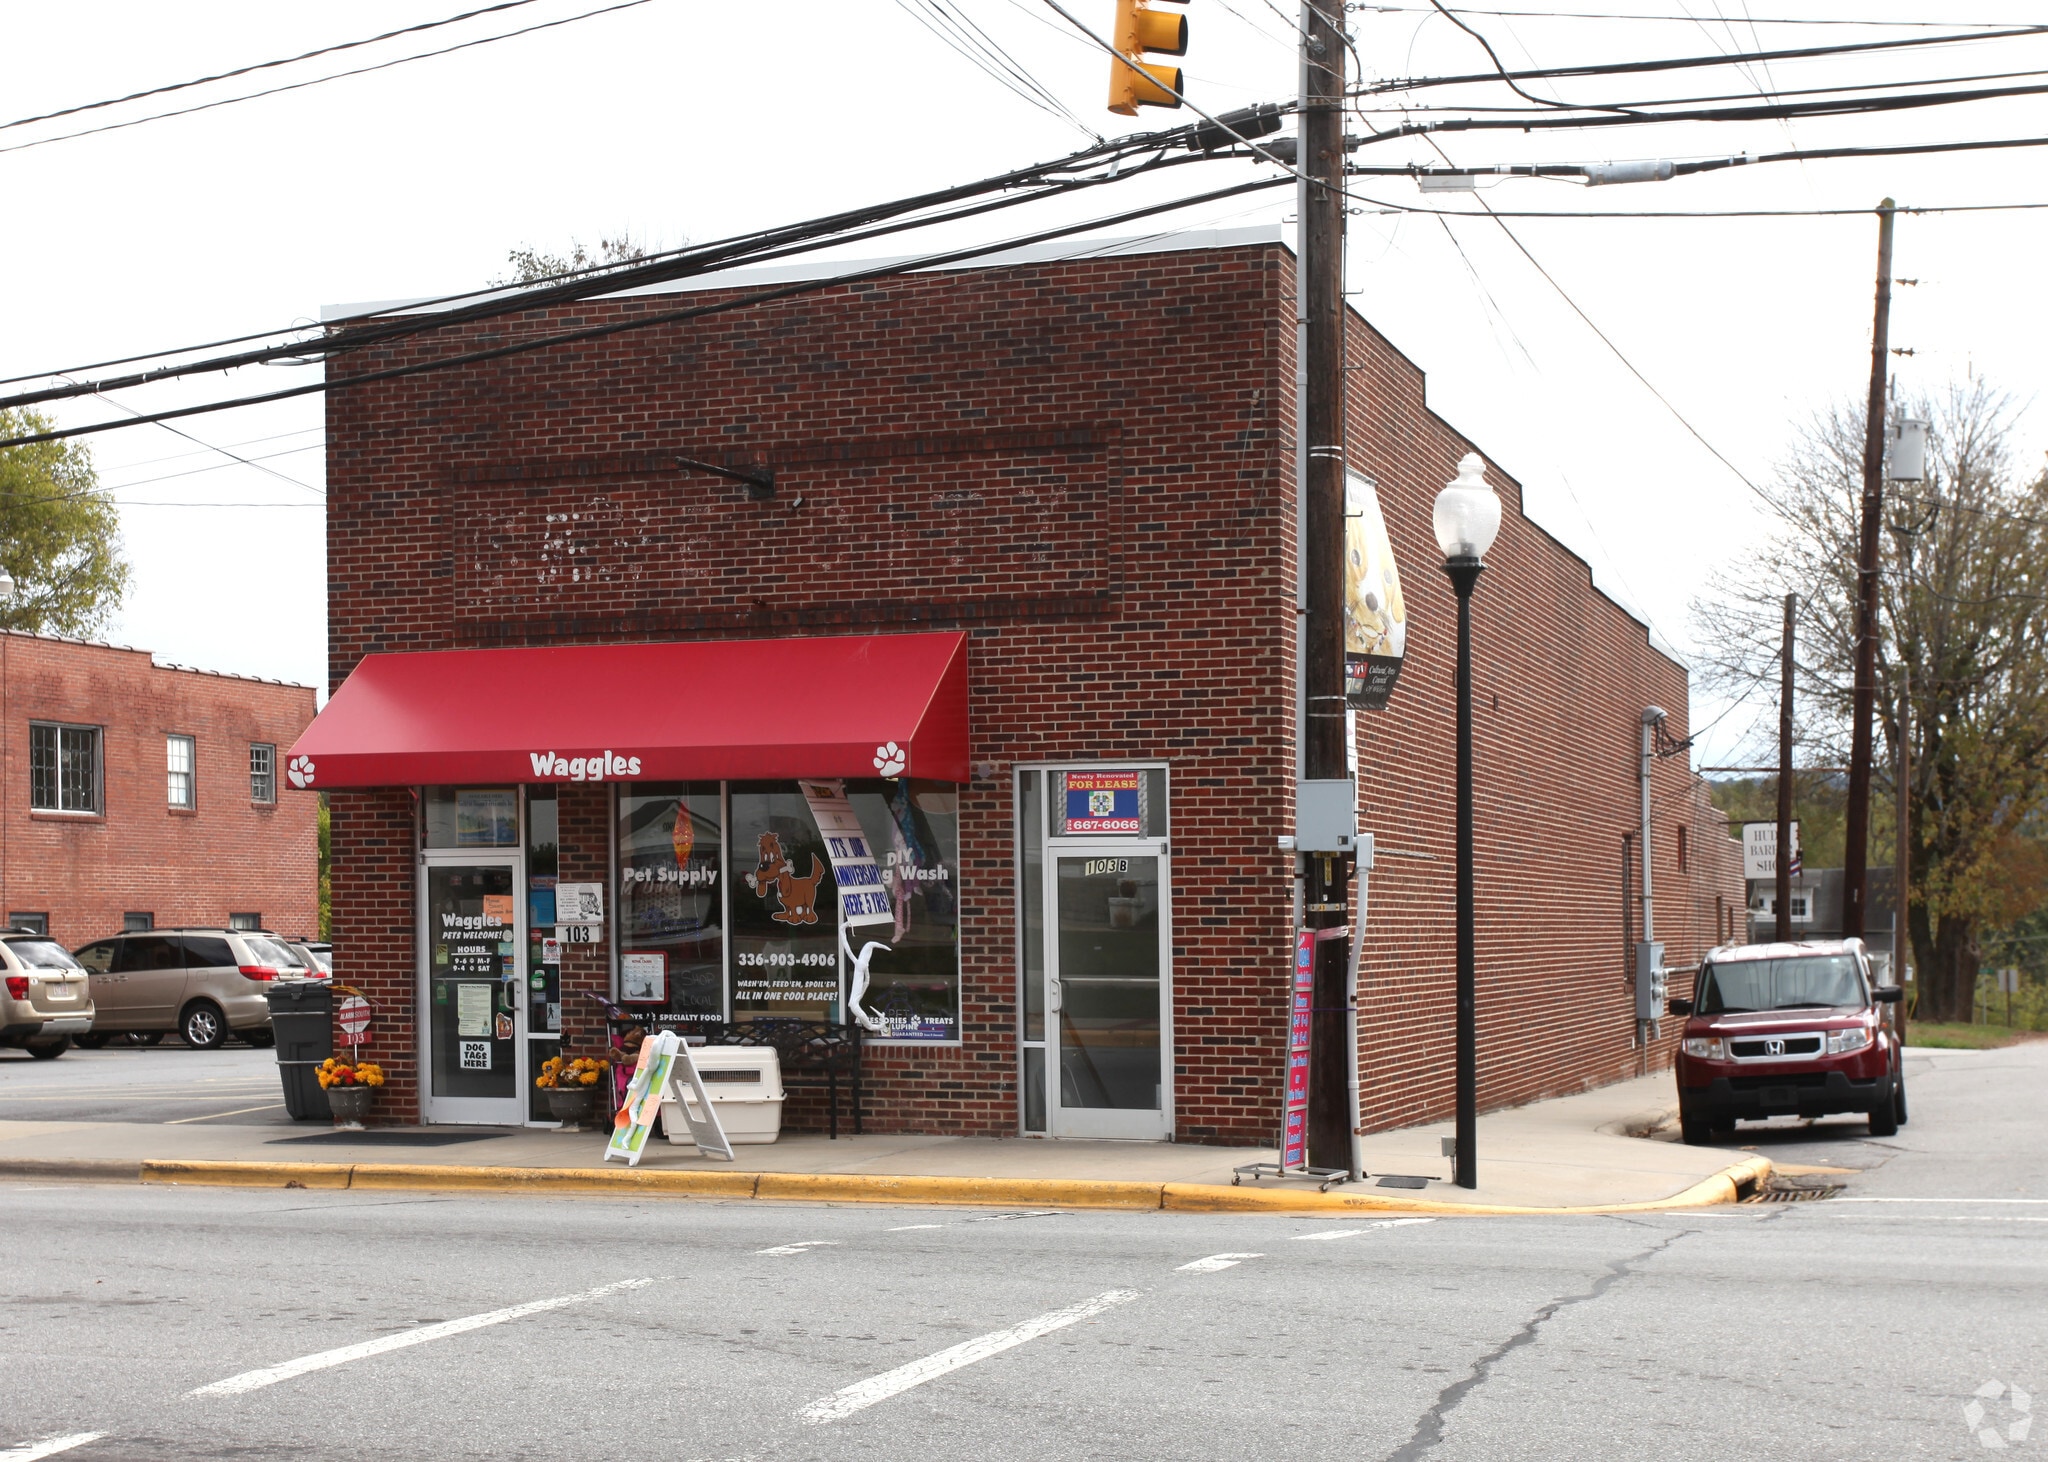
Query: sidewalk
[(1569, 1152)]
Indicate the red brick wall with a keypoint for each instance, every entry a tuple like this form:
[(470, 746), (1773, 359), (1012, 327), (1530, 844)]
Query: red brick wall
[(227, 855), (373, 851), (1087, 464)]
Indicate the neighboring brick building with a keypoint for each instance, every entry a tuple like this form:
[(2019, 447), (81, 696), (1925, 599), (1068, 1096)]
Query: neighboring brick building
[(138, 792), (1083, 467)]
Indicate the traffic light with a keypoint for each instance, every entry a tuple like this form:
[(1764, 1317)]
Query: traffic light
[(1133, 81)]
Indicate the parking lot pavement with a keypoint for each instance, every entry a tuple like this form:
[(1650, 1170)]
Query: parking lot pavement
[(235, 1085)]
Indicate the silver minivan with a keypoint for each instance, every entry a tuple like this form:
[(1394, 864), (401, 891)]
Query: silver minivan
[(205, 984), (45, 998)]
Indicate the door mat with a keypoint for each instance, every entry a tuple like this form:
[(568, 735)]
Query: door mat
[(375, 1138), (1396, 1180)]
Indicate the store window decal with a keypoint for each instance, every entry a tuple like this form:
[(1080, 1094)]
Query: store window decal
[(670, 902)]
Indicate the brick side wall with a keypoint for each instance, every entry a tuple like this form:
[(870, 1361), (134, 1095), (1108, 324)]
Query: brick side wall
[(1087, 465), (227, 855)]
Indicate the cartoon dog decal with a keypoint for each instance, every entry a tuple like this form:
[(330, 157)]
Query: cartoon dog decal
[(775, 877)]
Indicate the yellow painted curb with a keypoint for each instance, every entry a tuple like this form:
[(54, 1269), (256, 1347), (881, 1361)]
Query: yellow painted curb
[(553, 1180), (1730, 1185), (992, 1192), (247, 1174)]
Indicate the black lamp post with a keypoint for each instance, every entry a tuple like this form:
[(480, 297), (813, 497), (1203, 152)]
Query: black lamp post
[(1466, 519)]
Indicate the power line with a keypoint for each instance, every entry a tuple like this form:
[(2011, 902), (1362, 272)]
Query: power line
[(1702, 165), (1684, 63), (262, 65), (417, 317), (667, 317), (321, 80), (953, 30), (1676, 101), (1613, 15)]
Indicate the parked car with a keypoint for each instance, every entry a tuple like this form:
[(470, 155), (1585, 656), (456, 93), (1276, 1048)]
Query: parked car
[(317, 954), (1787, 1030), (45, 997), (202, 983)]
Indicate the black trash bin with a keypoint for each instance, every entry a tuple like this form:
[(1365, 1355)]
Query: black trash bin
[(302, 1019)]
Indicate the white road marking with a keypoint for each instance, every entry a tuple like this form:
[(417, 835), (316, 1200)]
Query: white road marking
[(862, 1394), (271, 1375), (2036, 1201), (979, 1218), (1346, 1233), (1215, 1262), (30, 1451), (909, 1226), (239, 1111), (799, 1248)]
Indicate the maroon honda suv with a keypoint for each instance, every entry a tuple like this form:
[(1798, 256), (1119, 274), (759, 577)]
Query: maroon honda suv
[(1787, 1030)]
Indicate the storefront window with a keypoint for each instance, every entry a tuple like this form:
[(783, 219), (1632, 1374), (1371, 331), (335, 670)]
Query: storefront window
[(670, 902), (472, 817), (543, 951), (914, 985), (785, 938)]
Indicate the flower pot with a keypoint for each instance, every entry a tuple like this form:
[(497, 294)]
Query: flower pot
[(350, 1105), (572, 1106)]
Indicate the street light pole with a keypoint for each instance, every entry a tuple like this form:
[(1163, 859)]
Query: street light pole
[(1466, 519)]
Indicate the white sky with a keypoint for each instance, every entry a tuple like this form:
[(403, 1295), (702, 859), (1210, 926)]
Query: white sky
[(679, 119)]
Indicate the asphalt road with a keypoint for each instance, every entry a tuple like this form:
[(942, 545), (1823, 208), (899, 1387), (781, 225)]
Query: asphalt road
[(234, 1084), (190, 1323)]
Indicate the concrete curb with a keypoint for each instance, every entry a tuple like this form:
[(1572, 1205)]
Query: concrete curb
[(1730, 1185)]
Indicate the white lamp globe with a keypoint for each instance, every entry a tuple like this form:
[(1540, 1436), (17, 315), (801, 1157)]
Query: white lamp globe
[(1467, 516)]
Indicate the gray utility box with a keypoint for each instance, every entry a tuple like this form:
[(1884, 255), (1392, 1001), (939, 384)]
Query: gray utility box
[(1651, 986), (1326, 816)]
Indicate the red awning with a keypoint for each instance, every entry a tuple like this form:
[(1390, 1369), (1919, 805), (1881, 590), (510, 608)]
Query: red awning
[(836, 706)]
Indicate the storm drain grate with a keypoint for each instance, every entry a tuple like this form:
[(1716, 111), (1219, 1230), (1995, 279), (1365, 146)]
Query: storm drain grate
[(1791, 1190)]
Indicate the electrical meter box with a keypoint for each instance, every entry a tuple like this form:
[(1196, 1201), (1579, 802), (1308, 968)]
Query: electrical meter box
[(1651, 986), (1326, 816)]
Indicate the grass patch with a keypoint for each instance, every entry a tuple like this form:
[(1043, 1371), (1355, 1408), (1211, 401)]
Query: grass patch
[(1955, 1036)]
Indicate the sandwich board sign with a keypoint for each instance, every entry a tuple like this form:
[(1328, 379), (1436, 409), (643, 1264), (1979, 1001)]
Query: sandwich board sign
[(664, 1067)]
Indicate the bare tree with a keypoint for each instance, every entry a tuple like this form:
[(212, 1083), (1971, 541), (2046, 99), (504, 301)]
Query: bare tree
[(531, 265), (1973, 626)]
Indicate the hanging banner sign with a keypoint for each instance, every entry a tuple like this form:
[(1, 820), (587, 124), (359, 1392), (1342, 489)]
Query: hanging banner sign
[(1102, 802), (863, 896), (1294, 1135), (1375, 616)]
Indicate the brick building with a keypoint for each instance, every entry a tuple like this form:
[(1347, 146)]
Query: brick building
[(142, 795), (1053, 499)]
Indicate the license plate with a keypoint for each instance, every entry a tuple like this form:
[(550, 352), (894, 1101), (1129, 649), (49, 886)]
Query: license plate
[(61, 992), (1780, 1096)]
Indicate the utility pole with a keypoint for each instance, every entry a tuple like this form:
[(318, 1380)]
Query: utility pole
[(1856, 856), (1784, 899), (1320, 475)]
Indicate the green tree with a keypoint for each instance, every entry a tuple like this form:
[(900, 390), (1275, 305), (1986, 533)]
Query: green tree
[(1973, 625), (326, 870), (60, 537), (531, 265)]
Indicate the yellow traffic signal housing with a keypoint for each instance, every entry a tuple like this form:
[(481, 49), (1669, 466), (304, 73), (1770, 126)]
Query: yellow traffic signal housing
[(1133, 81)]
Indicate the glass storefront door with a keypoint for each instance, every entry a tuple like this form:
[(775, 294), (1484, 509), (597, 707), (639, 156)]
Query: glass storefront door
[(473, 978), (1108, 998)]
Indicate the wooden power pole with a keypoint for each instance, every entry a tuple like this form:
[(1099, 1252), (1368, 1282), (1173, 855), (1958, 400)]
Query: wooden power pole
[(1856, 855), (1321, 476)]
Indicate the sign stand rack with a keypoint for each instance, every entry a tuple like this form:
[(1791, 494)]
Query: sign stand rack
[(1294, 1123)]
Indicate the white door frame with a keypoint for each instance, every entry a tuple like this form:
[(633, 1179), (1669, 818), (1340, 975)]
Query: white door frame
[(508, 1111), (1100, 1122)]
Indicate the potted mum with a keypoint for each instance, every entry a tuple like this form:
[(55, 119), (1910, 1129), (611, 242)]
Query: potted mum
[(349, 1086), (572, 1088)]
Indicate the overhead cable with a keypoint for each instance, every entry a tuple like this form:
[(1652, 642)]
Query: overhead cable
[(134, 96), (321, 80), (890, 270), (1684, 63)]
